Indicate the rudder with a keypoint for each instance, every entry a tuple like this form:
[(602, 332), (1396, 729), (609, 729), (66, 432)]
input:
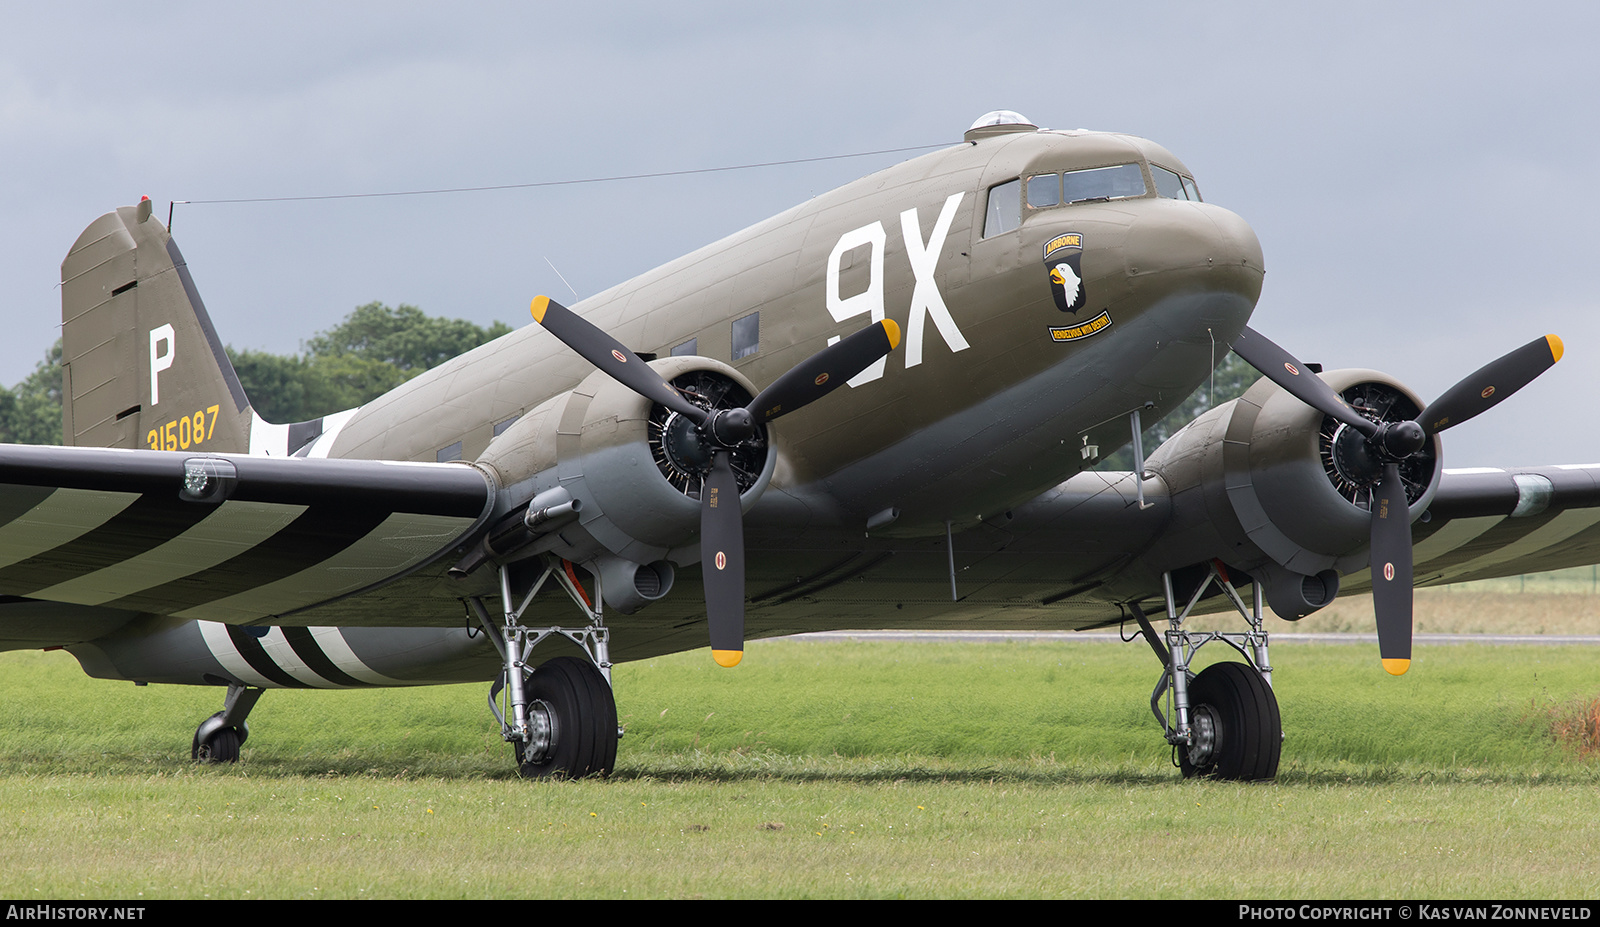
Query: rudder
[(142, 366)]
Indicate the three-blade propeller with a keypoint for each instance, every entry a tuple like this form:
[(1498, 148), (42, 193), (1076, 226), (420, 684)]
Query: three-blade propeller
[(1386, 445), (719, 432)]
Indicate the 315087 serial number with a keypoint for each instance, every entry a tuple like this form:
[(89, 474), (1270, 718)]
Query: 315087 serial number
[(185, 432)]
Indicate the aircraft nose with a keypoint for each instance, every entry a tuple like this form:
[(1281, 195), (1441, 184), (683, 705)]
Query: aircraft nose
[(1188, 243)]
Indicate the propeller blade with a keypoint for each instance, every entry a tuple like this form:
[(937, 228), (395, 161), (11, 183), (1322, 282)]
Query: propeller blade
[(608, 354), (722, 560), (825, 371), (1391, 570), (1491, 384), (1282, 368)]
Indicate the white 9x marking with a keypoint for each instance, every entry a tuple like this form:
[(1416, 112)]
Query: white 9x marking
[(926, 300)]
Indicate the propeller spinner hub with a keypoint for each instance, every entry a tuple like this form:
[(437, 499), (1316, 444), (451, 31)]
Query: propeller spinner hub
[(732, 427), (1401, 439)]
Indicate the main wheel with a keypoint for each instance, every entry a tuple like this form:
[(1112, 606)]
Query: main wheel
[(1238, 733), (574, 718)]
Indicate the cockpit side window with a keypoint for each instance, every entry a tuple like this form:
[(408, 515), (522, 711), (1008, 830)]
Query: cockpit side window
[(1004, 211), (1172, 185), (1168, 184), (1102, 183), (1044, 190)]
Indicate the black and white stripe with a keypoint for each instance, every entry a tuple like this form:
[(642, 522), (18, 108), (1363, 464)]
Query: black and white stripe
[(290, 658), (105, 527)]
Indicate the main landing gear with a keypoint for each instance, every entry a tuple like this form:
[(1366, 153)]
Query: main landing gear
[(1224, 722), (219, 737), (560, 717)]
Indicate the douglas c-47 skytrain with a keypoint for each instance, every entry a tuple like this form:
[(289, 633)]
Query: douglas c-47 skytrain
[(875, 410)]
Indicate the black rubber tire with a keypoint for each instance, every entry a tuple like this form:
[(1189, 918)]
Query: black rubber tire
[(1249, 730), (221, 747), (583, 717)]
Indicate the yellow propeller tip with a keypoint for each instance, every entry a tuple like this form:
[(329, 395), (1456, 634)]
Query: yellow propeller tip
[(892, 329), (1555, 347), (540, 304), (1396, 667), (727, 657)]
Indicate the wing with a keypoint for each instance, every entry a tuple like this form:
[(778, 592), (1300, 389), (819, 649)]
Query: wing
[(1488, 522), (225, 538)]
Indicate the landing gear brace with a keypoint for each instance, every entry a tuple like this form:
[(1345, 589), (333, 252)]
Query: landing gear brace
[(561, 717), (1224, 721)]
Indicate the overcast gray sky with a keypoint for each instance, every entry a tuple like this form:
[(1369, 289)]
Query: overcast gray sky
[(1411, 170)]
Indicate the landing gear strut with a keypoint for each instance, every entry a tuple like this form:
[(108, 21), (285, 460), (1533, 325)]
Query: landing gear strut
[(219, 737), (1224, 722), (561, 717)]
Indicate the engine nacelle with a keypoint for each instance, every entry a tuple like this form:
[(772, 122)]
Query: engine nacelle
[(620, 472), (1273, 487)]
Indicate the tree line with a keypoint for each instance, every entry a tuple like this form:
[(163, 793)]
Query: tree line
[(1229, 381)]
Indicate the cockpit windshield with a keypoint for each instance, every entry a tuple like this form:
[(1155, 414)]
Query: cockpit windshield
[(1174, 186), (1090, 185), (1097, 183)]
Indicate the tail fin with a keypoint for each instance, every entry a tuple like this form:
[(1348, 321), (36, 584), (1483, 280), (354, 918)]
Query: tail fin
[(141, 365)]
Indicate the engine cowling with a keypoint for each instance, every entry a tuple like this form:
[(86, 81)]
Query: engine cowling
[(621, 465), (1272, 487)]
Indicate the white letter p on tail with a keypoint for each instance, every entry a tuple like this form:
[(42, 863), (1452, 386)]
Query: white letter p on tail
[(160, 360)]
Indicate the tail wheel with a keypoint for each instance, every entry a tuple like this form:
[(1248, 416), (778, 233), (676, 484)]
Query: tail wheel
[(222, 746), (214, 743), (580, 721), (1238, 733)]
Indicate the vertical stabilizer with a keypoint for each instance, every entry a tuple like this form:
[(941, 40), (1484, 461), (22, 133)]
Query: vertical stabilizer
[(141, 365)]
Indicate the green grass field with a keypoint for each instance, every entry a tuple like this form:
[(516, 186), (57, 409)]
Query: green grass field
[(822, 770)]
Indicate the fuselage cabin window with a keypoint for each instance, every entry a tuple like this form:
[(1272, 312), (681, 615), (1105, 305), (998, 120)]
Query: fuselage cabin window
[(746, 335)]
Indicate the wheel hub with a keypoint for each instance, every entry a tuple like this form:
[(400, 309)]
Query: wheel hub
[(541, 732), (1203, 731)]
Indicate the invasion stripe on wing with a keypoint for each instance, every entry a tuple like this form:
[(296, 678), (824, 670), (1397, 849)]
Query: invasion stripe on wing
[(1456, 533), (38, 518), (1550, 533), (402, 541), (315, 536), (147, 523), (234, 528)]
